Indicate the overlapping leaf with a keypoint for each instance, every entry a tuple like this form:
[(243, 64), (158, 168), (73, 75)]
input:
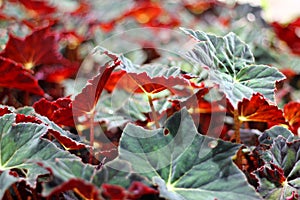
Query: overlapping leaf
[(148, 78), (41, 47), (260, 110), (59, 111), (292, 115), (288, 33), (279, 176), (86, 101), (184, 164), (40, 7), (21, 146), (15, 76), (232, 66)]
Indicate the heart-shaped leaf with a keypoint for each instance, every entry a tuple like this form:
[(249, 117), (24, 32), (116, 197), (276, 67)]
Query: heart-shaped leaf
[(258, 109), (15, 76), (231, 66), (292, 115), (280, 176), (147, 78), (183, 163), (22, 146)]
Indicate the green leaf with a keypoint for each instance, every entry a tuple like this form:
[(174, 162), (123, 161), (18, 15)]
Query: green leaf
[(285, 156), (183, 163), (231, 66), (269, 135), (6, 180), (21, 147)]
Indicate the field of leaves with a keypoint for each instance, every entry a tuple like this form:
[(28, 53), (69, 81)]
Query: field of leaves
[(146, 99)]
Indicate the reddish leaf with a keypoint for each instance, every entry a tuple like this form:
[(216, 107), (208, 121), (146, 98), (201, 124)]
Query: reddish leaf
[(132, 82), (138, 189), (66, 142), (152, 14), (39, 48), (292, 115), (23, 118), (83, 188), (294, 196), (56, 73), (59, 111), (197, 7), (40, 7), (160, 83), (4, 111), (273, 173), (258, 109), (288, 33), (113, 192), (144, 12), (15, 76), (85, 102)]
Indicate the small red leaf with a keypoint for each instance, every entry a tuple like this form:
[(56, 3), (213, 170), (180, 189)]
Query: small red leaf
[(56, 73), (273, 173), (292, 115), (23, 118), (38, 48), (59, 111), (85, 102), (258, 109), (289, 34), (85, 189), (67, 142), (113, 192), (15, 76), (138, 189), (4, 111), (40, 7)]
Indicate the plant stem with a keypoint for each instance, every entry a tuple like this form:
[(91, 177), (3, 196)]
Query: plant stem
[(26, 98), (92, 137), (16, 192), (237, 125), (150, 100), (7, 195)]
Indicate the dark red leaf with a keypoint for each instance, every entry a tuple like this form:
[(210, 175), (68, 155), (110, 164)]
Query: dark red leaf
[(85, 189), (15, 76), (40, 6), (39, 48), (4, 111), (23, 118), (59, 111), (56, 73), (85, 102), (273, 173), (292, 115), (138, 189), (144, 12), (197, 7), (113, 192), (142, 82), (67, 142), (288, 33), (294, 196), (258, 109)]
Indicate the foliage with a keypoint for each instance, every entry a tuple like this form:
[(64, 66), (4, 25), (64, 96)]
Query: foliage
[(212, 114)]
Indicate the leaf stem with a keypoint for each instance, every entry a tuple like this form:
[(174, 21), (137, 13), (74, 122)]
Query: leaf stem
[(237, 124), (7, 195), (16, 192), (150, 100), (92, 137)]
